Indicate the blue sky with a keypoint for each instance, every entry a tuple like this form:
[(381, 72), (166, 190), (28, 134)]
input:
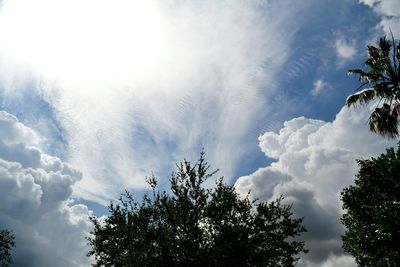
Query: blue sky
[(112, 93)]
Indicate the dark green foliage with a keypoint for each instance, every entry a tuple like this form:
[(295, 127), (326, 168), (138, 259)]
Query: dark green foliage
[(381, 81), (195, 226), (372, 215), (6, 244)]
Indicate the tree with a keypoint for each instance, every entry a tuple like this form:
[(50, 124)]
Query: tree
[(381, 81), (6, 244), (372, 216), (196, 226)]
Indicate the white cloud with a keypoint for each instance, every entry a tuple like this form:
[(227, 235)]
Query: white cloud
[(216, 65), (384, 7), (34, 191), (369, 3), (14, 132), (389, 10), (391, 24), (315, 160), (343, 261), (345, 49), (319, 87)]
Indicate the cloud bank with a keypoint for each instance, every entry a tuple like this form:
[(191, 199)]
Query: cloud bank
[(34, 201), (315, 160)]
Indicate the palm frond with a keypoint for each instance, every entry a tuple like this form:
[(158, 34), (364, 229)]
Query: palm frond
[(396, 111), (383, 90), (364, 77), (378, 59), (373, 52), (384, 122), (357, 71), (361, 97), (397, 57), (385, 45), (382, 75), (398, 51)]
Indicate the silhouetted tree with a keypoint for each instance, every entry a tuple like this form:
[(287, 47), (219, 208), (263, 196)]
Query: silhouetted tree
[(372, 207), (6, 244), (380, 81), (196, 226)]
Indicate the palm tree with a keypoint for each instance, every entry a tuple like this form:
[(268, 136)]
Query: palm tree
[(380, 82)]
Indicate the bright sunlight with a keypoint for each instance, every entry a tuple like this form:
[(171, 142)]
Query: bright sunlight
[(87, 43)]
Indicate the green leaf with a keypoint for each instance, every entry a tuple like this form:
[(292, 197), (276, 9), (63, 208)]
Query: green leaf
[(372, 212), (195, 226)]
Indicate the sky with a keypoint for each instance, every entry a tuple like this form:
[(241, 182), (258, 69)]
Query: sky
[(95, 96)]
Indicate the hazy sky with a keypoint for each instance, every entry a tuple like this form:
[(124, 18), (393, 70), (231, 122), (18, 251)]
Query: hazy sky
[(96, 95)]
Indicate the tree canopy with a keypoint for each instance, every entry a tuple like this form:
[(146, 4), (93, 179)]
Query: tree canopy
[(380, 81), (372, 211), (196, 226), (6, 244)]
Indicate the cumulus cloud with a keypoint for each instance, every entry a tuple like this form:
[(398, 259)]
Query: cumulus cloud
[(34, 193), (315, 160), (345, 49), (389, 10), (319, 86), (343, 261), (213, 65)]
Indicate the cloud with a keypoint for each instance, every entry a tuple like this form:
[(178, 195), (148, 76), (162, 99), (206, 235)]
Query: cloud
[(391, 24), (384, 7), (389, 10), (343, 261), (34, 201), (345, 49), (14, 132), (369, 3), (216, 64), (319, 87), (315, 160)]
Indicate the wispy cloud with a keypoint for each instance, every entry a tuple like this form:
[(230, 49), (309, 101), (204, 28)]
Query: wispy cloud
[(319, 86), (345, 49), (126, 112)]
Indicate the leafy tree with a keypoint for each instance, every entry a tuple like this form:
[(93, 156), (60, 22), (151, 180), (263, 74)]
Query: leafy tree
[(6, 244), (380, 81), (196, 226), (372, 208)]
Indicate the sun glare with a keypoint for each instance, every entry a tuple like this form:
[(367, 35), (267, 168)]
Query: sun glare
[(82, 41)]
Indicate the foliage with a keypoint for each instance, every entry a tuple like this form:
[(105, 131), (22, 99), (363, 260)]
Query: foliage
[(372, 215), (381, 81), (196, 226), (6, 244)]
